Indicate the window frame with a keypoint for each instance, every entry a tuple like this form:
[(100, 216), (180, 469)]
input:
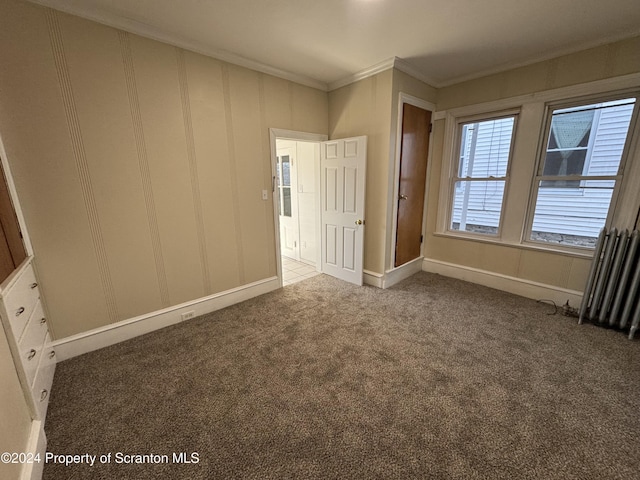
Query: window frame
[(455, 164), (618, 178), (624, 210)]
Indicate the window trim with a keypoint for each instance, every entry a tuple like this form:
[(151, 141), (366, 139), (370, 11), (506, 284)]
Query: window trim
[(619, 178), (455, 165), (531, 119)]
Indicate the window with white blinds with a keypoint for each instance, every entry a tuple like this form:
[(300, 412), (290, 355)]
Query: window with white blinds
[(478, 186)]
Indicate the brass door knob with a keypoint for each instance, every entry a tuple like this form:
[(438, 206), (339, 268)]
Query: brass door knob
[(403, 197), (359, 222)]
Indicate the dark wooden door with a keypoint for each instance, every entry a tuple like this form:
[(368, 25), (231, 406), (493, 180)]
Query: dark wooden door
[(413, 173)]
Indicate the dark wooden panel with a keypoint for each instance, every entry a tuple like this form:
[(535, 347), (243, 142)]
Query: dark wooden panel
[(6, 262), (413, 172), (12, 251)]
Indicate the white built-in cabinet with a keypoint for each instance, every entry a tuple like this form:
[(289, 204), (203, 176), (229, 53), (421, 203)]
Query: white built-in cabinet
[(23, 319), (27, 331), (28, 334)]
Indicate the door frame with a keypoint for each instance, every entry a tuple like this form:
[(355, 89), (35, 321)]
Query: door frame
[(275, 134), (416, 102)]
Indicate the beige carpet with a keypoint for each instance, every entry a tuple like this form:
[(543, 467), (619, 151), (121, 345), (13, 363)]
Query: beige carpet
[(434, 378)]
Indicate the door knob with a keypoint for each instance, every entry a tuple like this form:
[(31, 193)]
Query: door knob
[(403, 197), (359, 222)]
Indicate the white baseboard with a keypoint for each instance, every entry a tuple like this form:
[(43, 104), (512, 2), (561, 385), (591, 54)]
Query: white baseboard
[(518, 286), (372, 278), (118, 332), (37, 445), (393, 276)]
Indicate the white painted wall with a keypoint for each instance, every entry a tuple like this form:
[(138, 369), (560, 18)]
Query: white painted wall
[(308, 169), (305, 195)]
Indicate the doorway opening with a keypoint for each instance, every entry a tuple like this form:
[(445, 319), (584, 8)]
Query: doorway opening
[(318, 200), (411, 178), (297, 181)]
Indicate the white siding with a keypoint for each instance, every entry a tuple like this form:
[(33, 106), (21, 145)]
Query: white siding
[(573, 211), (485, 203), (490, 160), (583, 211)]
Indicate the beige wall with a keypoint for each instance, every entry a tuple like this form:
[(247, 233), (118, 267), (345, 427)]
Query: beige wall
[(607, 61), (139, 166), (370, 107), (15, 420), (364, 108), (555, 269)]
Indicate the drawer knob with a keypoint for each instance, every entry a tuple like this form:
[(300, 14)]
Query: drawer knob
[(20, 311), (43, 395), (34, 285), (52, 354), (32, 353), (43, 321)]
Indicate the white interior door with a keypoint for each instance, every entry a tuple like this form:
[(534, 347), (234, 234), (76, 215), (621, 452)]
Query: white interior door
[(286, 182), (342, 177)]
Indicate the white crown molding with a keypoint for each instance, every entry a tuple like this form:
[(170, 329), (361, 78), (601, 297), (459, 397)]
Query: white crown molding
[(406, 67), (148, 31), (630, 81), (362, 74), (560, 52), (395, 62), (154, 33)]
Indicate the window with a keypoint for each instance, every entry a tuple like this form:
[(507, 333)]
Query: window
[(579, 171), (568, 145), (478, 185), (543, 172), (283, 182)]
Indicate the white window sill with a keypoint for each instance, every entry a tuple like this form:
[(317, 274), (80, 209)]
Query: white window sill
[(575, 252)]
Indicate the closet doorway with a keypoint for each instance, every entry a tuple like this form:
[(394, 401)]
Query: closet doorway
[(297, 180), (412, 171)]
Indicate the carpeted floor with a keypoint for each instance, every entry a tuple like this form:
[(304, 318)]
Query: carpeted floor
[(433, 378)]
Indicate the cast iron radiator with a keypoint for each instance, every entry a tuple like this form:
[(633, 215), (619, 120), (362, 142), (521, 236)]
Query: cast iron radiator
[(611, 297)]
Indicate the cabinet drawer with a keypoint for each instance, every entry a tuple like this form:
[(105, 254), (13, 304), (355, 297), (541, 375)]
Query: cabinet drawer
[(44, 379), (21, 300), (32, 342)]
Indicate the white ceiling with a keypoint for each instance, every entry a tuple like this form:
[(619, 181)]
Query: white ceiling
[(324, 43)]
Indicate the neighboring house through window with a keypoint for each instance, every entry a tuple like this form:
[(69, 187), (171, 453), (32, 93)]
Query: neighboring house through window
[(580, 171), (544, 171), (481, 176)]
